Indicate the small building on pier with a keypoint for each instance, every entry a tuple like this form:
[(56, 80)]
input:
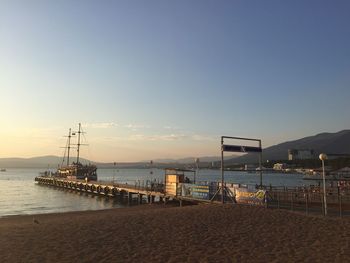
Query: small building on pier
[(175, 177)]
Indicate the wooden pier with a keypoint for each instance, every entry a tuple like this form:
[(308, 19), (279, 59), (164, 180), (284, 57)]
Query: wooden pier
[(123, 192), (170, 190)]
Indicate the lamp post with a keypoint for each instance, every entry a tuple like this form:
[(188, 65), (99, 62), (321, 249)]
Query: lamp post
[(324, 157), (196, 160), (114, 164)]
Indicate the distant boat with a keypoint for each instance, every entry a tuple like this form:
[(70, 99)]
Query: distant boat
[(75, 170), (2, 170)]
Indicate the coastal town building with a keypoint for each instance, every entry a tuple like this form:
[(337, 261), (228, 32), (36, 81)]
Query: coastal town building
[(300, 154), (280, 166), (249, 167)]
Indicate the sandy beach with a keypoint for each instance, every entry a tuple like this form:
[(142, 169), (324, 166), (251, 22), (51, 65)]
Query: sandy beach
[(155, 233)]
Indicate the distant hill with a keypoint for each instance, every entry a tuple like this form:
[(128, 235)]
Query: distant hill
[(34, 162), (191, 160), (124, 165), (51, 161), (331, 143)]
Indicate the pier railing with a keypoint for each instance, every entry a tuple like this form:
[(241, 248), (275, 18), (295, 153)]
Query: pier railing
[(148, 186)]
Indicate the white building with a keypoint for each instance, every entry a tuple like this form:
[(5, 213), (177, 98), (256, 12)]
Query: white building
[(279, 166), (301, 154)]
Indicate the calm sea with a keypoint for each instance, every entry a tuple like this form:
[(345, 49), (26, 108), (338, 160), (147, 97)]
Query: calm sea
[(20, 195)]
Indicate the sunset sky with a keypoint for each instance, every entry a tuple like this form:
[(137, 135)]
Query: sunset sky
[(165, 79)]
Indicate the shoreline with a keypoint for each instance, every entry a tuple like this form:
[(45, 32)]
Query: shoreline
[(78, 212), (157, 233)]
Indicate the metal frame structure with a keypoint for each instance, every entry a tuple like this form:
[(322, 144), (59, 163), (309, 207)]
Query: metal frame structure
[(323, 157), (237, 148)]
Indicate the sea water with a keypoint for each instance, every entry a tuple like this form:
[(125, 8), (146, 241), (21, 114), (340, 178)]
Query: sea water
[(20, 195)]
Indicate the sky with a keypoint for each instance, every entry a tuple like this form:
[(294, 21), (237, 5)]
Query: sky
[(165, 79)]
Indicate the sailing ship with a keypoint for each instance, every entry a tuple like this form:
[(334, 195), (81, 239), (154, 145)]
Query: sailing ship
[(76, 170)]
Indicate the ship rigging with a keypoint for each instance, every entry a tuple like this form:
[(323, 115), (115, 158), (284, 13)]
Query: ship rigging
[(76, 170)]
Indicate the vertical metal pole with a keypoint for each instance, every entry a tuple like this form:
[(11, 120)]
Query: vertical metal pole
[(222, 170), (260, 167), (114, 172), (340, 206), (78, 145), (69, 136), (164, 187), (197, 169), (322, 201), (324, 189)]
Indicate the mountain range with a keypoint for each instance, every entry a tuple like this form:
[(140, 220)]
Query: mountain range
[(330, 143), (49, 161), (191, 160)]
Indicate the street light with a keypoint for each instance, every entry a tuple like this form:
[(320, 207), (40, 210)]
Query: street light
[(114, 164), (196, 160), (324, 157)]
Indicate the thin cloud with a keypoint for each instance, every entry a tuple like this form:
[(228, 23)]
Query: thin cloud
[(159, 137), (136, 127), (166, 137), (173, 137), (101, 125), (199, 137), (170, 127)]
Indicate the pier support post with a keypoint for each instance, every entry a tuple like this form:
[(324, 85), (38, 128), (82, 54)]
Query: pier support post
[(121, 196), (140, 198), (129, 198), (150, 199)]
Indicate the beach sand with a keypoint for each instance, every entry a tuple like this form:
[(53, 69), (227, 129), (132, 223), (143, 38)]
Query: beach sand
[(155, 233)]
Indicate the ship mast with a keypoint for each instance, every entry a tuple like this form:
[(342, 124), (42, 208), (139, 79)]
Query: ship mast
[(69, 136), (79, 132), (67, 147)]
